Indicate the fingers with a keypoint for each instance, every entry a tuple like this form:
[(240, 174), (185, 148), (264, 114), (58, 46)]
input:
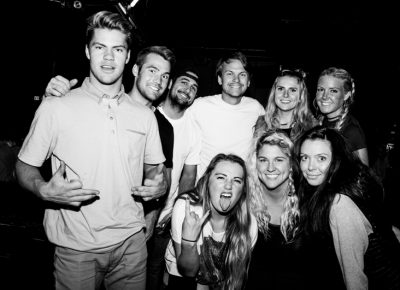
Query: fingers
[(72, 83), (187, 207), (204, 217), (59, 86), (61, 170)]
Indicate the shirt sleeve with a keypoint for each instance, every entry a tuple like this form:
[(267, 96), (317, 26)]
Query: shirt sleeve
[(350, 230), (41, 139)]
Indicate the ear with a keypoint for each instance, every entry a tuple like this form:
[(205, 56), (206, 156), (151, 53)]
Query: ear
[(219, 80), (170, 84), (128, 57), (135, 70), (87, 52)]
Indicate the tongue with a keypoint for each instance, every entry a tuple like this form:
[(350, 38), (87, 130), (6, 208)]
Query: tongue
[(224, 203)]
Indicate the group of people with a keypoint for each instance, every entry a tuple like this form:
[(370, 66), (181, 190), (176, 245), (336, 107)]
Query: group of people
[(213, 192)]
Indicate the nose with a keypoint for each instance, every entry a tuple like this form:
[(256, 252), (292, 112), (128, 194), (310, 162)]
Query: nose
[(311, 164), (228, 184), (109, 54), (157, 79), (286, 94), (271, 166)]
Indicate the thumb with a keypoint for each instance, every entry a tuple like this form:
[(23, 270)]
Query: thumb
[(61, 170), (73, 82)]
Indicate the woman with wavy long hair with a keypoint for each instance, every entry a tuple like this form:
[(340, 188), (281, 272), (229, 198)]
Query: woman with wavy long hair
[(274, 202), (213, 229)]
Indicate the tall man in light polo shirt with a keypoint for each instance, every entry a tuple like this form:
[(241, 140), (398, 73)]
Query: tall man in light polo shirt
[(100, 143)]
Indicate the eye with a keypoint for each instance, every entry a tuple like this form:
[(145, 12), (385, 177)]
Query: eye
[(243, 75), (333, 91), (228, 73), (165, 77), (320, 90), (193, 89), (303, 157), (98, 47), (280, 160), (220, 177), (152, 70), (293, 90), (120, 50), (322, 158), (238, 180), (262, 159), (279, 89)]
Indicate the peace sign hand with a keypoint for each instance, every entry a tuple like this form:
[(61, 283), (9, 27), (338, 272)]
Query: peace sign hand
[(192, 224)]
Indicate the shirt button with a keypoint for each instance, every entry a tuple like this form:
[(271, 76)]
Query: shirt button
[(111, 118)]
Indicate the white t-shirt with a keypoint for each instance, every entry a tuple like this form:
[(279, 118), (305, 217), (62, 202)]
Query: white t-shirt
[(186, 151), (178, 215), (224, 128)]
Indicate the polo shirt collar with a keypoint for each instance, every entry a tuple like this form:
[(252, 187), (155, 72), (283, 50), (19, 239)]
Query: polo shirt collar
[(100, 95)]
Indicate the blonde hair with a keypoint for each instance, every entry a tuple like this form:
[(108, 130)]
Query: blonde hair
[(302, 119), (348, 86), (291, 213)]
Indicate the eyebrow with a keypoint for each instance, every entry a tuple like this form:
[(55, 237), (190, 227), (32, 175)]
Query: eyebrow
[(223, 174)]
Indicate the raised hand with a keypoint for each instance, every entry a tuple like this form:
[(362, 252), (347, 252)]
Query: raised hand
[(60, 190), (154, 186), (59, 86), (192, 224)]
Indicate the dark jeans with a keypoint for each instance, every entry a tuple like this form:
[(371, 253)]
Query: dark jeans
[(156, 247)]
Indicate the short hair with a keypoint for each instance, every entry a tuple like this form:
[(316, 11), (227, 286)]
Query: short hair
[(108, 20), (162, 51), (236, 55)]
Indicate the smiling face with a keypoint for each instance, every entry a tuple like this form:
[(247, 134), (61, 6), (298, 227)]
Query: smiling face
[(226, 184), (315, 159), (331, 95), (108, 53), (184, 91), (273, 167), (152, 78), (234, 79), (287, 93)]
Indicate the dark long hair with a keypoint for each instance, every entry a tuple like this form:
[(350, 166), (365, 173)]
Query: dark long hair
[(346, 175)]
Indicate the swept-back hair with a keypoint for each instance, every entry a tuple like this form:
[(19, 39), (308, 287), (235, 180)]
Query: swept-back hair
[(346, 175), (348, 85), (228, 58), (160, 50), (290, 215), (237, 232), (109, 20)]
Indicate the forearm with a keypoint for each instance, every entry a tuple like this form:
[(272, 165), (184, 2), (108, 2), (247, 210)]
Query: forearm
[(188, 260), (29, 177), (188, 178)]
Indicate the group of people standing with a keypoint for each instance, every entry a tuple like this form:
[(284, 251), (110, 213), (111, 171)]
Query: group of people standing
[(213, 192)]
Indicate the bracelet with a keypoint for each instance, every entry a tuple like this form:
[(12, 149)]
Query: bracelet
[(186, 240)]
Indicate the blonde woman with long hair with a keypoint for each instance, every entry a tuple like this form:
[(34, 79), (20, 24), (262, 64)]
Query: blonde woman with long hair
[(213, 230), (274, 202)]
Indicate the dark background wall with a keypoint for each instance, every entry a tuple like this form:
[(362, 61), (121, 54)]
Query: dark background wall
[(44, 38)]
